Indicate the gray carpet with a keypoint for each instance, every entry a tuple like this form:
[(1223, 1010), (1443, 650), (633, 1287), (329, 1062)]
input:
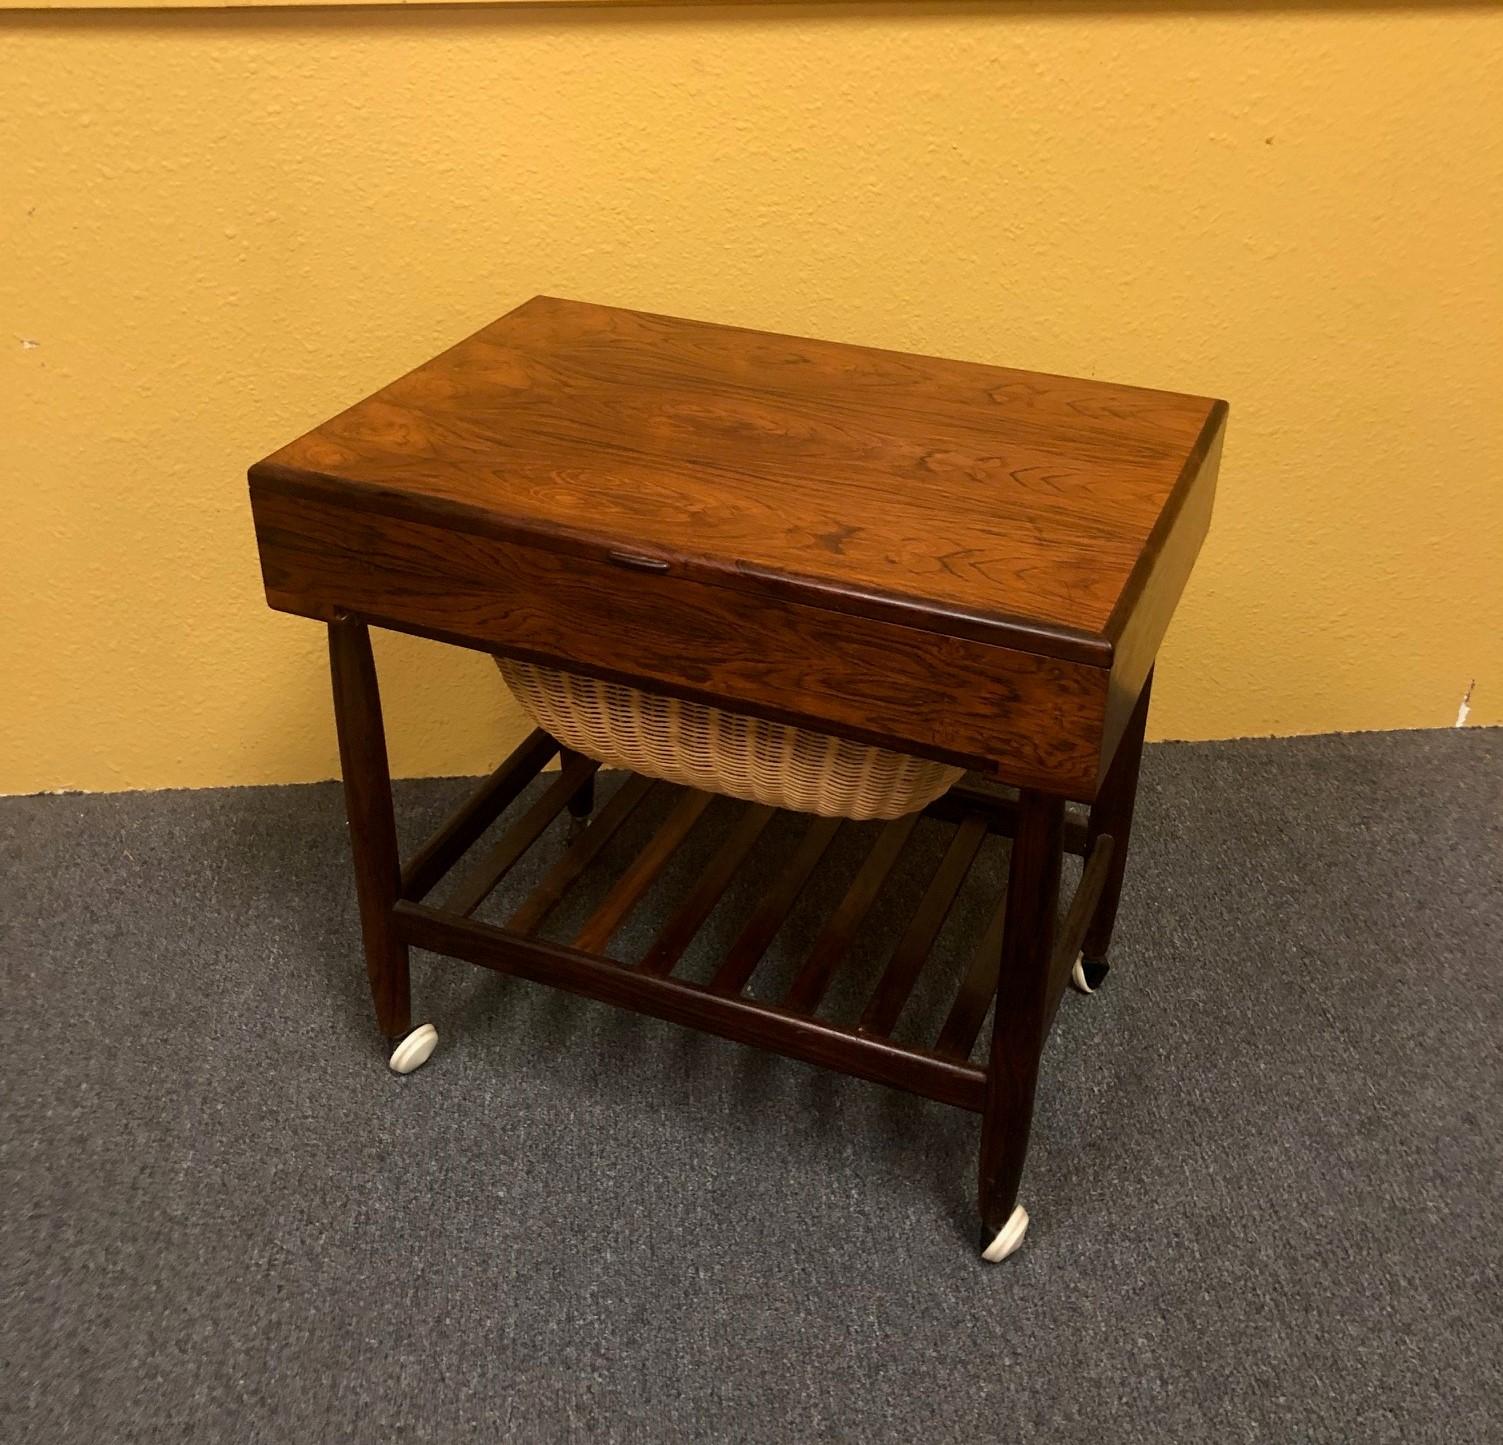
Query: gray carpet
[(1264, 1179)]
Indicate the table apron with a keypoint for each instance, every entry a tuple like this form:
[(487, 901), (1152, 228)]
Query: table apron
[(1031, 720)]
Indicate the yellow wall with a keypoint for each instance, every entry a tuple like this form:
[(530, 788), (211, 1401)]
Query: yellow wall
[(219, 228)]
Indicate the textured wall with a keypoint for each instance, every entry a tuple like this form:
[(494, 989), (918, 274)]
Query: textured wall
[(219, 228)]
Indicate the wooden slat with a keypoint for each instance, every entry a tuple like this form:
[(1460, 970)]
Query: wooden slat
[(679, 931), (746, 953), (476, 885), (1088, 894), (627, 892), (1000, 807), (580, 854), (834, 941), (440, 853), (908, 957), (977, 989), (730, 1017)]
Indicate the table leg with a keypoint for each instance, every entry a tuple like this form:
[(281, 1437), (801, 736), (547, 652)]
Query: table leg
[(1112, 814), (1021, 1017), (373, 832), (582, 804)]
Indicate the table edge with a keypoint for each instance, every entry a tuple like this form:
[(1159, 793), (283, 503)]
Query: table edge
[(1020, 634), (1163, 527)]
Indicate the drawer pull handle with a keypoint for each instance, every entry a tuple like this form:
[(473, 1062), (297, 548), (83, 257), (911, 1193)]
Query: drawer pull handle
[(638, 561)]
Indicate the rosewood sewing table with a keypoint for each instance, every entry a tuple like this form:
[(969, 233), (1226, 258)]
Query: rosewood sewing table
[(965, 563)]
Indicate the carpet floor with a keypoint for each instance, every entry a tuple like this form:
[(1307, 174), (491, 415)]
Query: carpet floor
[(1264, 1180)]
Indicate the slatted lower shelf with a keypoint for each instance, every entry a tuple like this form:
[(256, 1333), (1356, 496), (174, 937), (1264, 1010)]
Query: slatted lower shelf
[(585, 965)]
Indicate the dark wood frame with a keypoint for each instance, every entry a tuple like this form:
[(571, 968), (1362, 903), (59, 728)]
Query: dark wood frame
[(969, 564), (1022, 964)]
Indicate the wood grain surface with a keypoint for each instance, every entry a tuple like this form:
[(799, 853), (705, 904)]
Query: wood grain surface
[(1007, 506), (959, 561), (945, 697)]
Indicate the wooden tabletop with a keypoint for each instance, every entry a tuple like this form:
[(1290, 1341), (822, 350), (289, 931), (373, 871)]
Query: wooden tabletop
[(1003, 505)]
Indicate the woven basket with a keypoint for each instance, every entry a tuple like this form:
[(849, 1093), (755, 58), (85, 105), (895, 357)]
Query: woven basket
[(723, 752)]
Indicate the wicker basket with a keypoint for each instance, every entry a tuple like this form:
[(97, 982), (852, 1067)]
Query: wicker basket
[(723, 752)]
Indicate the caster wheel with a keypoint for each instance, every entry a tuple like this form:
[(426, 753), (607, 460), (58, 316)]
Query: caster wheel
[(1009, 1237), (1089, 973), (414, 1050)]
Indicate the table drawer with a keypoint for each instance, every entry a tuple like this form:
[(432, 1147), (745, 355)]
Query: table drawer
[(1033, 720)]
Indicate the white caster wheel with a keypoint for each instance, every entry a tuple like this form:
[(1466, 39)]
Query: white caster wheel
[(1009, 1237), (1088, 974), (414, 1050)]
